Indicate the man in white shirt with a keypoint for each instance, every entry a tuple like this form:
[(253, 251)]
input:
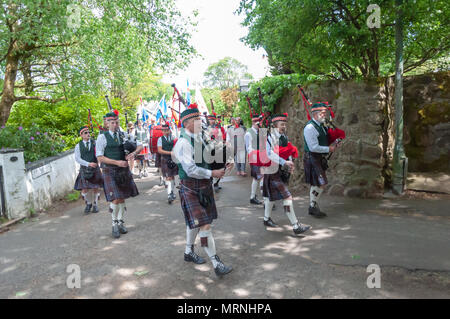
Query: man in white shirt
[(314, 162), (254, 142), (274, 187), (235, 138), (196, 191), (90, 177), (168, 167), (118, 180)]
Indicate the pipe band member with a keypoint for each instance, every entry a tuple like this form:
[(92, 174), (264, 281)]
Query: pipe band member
[(274, 188), (89, 180), (118, 180), (196, 191), (314, 162), (168, 167)]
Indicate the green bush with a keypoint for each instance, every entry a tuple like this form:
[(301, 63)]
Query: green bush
[(36, 142), (58, 124), (273, 89), (72, 197)]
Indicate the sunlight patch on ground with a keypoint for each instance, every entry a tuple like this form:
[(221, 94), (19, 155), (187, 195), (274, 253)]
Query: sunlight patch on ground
[(241, 292)]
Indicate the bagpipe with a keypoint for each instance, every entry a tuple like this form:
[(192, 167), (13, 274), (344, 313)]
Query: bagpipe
[(335, 135), (129, 145), (213, 146), (259, 157)]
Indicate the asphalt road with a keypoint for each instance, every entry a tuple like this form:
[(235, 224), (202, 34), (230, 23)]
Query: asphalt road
[(408, 239)]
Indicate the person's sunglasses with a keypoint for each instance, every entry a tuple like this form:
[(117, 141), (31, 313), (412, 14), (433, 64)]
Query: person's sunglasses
[(85, 133)]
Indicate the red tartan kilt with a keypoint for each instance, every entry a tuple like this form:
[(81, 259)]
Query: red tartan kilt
[(274, 188)]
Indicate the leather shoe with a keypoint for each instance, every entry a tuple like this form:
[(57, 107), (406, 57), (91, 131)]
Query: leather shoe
[(221, 269), (315, 211), (255, 201), (269, 223), (88, 208), (115, 230), (95, 209), (301, 229), (122, 228), (193, 257)]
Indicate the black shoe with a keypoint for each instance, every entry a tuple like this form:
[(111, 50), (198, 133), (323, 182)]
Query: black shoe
[(122, 228), (221, 269), (173, 196), (269, 223), (301, 229), (87, 209), (315, 211), (192, 256), (115, 230), (170, 199), (95, 209), (255, 201)]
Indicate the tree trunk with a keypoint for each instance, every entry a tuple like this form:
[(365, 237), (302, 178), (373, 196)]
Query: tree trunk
[(8, 97)]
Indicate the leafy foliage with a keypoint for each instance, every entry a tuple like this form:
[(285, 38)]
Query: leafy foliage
[(332, 38), (106, 51), (226, 74), (272, 88), (36, 142)]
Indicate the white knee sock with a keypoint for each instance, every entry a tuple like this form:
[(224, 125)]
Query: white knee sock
[(122, 210), (289, 209), (114, 212), (191, 234), (208, 244), (86, 198), (254, 188), (314, 195), (96, 198), (261, 185), (169, 187), (268, 205)]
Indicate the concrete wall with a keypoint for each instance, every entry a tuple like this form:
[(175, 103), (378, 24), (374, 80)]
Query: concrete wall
[(37, 185)]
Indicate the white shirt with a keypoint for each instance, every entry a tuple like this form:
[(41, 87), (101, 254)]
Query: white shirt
[(274, 139), (250, 145), (101, 142), (184, 154), (239, 133), (78, 158), (312, 138)]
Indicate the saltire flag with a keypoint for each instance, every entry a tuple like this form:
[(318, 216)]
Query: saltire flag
[(188, 94), (163, 106), (145, 115)]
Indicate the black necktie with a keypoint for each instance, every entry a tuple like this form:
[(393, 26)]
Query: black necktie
[(115, 137), (87, 145)]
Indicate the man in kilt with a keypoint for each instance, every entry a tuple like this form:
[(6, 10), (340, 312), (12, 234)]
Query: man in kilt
[(168, 167), (196, 192), (118, 180), (273, 186), (90, 177), (315, 162), (252, 143)]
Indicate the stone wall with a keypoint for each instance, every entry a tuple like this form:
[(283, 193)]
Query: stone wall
[(359, 168), (362, 166), (427, 122)]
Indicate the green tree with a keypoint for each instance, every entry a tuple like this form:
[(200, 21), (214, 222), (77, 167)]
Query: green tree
[(226, 74), (332, 38), (46, 57)]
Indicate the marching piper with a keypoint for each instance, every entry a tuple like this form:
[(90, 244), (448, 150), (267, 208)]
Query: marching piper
[(118, 180), (196, 191), (89, 180)]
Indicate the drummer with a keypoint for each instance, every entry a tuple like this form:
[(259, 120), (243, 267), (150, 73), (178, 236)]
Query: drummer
[(155, 133)]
